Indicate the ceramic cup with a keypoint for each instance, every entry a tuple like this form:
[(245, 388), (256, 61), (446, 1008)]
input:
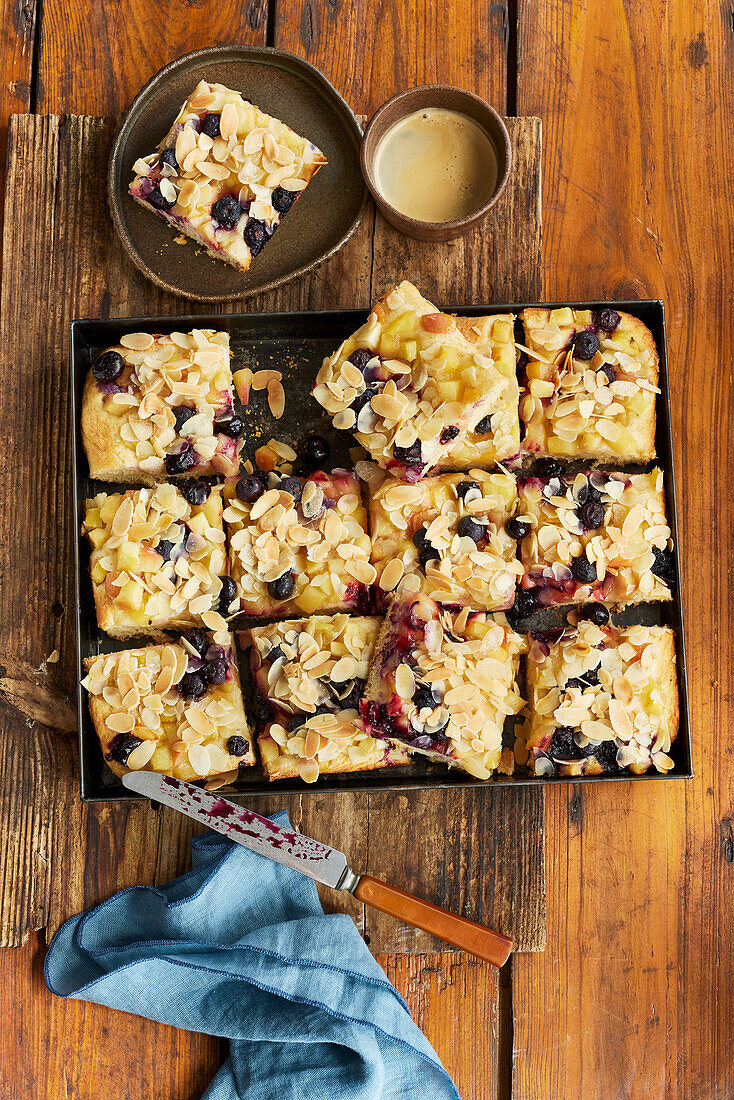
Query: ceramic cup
[(452, 99)]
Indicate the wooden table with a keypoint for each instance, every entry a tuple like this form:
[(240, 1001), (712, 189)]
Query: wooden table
[(634, 995)]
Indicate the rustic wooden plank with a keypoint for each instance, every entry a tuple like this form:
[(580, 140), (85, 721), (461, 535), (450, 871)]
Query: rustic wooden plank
[(370, 51), (633, 997), (94, 58)]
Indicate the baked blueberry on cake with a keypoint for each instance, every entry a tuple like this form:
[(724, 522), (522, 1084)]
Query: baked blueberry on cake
[(590, 386), (594, 536), (225, 174), (158, 559), (157, 406), (298, 544), (603, 701), (443, 684), (496, 437), (411, 382), (309, 675), (446, 535), (173, 708)]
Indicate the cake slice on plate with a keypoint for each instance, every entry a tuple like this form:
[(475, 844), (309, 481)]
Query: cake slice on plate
[(309, 675), (603, 701), (173, 708), (158, 406), (226, 174), (411, 382), (444, 684)]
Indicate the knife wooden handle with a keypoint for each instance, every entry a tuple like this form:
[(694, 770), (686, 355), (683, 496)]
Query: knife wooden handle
[(458, 931)]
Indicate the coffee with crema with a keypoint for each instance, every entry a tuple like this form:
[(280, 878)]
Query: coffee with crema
[(436, 165)]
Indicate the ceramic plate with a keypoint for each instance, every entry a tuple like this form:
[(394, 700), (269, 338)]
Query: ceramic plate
[(325, 217)]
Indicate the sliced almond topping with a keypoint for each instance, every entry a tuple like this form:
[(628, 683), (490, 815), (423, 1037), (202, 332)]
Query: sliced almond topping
[(141, 755), (120, 723), (405, 681), (392, 575)]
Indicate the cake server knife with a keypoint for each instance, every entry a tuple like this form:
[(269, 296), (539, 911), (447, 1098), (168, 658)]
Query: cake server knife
[(319, 862)]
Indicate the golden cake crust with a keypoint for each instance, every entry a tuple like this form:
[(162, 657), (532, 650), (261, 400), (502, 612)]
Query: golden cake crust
[(429, 383), (133, 694), (128, 426), (317, 661), (463, 572), (572, 408), (633, 705)]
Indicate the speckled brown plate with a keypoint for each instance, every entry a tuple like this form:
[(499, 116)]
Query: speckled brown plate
[(325, 217)]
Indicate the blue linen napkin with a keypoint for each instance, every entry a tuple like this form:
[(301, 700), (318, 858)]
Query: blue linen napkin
[(240, 947)]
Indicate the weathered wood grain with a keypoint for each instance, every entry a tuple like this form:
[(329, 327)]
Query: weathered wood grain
[(59, 856), (634, 995)]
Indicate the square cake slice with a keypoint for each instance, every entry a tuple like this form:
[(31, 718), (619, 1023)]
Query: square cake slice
[(173, 708), (225, 174), (590, 385), (595, 536), (446, 535), (299, 545), (158, 561), (309, 675), (410, 382), (603, 701), (444, 684), (157, 406), (496, 437)]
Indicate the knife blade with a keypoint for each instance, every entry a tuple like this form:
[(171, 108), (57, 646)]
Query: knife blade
[(318, 861)]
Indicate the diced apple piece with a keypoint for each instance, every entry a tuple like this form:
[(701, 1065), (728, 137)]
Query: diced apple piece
[(131, 595)]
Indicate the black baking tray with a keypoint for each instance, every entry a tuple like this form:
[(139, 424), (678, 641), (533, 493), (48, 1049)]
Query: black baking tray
[(295, 344)]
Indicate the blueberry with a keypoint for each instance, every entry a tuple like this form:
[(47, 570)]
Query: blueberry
[(237, 746), (609, 371), (548, 467), (589, 679), (261, 707), (592, 514), (469, 528), (255, 235), (484, 427), (408, 454), (361, 357), (464, 486), (597, 614), (196, 492), (448, 434), (192, 686), (607, 319), (517, 527), (215, 672), (282, 588), (525, 603), (585, 345), (583, 570), (282, 200), (181, 462), (165, 549), (249, 488), (363, 399), (168, 159), (120, 747), (108, 366), (156, 199), (210, 125), (424, 697), (231, 426), (663, 565), (197, 639), (563, 748), (606, 754), (315, 452), (427, 553), (293, 487), (227, 594), (296, 721), (275, 654), (352, 700), (226, 211), (419, 537), (181, 414)]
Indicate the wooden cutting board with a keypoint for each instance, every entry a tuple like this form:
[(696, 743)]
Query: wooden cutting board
[(479, 852)]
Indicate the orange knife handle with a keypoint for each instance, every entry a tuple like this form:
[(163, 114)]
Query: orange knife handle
[(458, 931)]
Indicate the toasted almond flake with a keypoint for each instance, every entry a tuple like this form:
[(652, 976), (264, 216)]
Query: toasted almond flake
[(392, 575), (307, 769), (120, 723), (292, 184), (262, 378), (137, 341), (141, 755), (276, 399), (199, 759), (343, 669), (405, 681)]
